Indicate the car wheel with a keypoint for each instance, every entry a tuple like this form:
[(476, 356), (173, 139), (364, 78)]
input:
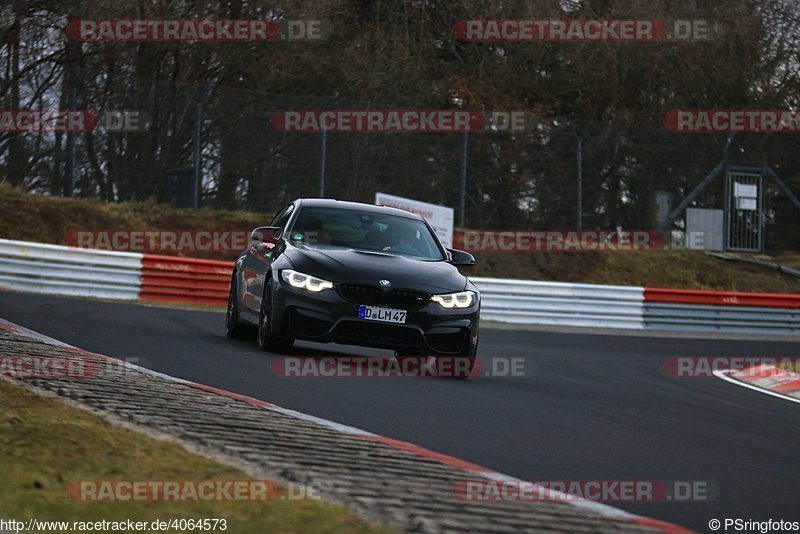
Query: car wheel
[(233, 328), (267, 341)]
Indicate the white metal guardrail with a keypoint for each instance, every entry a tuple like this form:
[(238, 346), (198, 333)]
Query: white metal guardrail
[(560, 304), (63, 270), (738, 319)]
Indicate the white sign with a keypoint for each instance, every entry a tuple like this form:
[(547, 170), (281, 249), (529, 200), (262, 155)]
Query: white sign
[(439, 217), (743, 203), (745, 190)]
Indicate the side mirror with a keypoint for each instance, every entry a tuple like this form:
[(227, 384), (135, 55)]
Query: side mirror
[(265, 234), (264, 238), (461, 258)]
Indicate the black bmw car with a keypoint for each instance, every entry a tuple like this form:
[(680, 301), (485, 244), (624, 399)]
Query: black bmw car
[(358, 274)]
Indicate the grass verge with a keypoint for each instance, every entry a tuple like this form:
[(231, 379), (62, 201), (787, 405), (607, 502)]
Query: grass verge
[(44, 445)]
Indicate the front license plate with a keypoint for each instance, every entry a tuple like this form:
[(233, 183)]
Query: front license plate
[(387, 315)]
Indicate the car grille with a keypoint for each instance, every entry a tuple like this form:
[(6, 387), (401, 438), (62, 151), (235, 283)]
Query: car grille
[(372, 295), (360, 294), (401, 298)]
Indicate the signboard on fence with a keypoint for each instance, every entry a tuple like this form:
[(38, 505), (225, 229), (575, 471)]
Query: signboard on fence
[(746, 196), (439, 217), (704, 229)]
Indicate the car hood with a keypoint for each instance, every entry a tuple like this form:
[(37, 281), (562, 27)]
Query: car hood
[(361, 267)]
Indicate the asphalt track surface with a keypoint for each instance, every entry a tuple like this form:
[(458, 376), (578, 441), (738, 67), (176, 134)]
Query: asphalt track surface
[(593, 407)]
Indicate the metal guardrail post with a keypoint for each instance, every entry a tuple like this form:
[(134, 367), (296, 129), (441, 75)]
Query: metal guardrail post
[(198, 126)]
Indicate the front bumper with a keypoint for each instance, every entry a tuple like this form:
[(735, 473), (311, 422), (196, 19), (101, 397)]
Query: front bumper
[(328, 317)]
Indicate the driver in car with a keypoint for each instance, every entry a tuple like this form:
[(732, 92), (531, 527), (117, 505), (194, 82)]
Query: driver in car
[(402, 240)]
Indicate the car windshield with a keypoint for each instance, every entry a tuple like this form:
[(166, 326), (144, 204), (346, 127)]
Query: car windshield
[(365, 230)]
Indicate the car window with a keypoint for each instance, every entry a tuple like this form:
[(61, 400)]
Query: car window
[(363, 230)]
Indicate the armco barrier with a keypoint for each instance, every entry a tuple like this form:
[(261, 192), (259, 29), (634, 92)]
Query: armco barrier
[(69, 271), (187, 280), (63, 270), (560, 304), (723, 298), (721, 311)]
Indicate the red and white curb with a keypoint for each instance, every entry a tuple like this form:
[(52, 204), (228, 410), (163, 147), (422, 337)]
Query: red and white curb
[(765, 378), (589, 506)]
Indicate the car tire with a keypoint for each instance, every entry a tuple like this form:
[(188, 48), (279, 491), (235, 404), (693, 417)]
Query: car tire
[(233, 328), (267, 341)]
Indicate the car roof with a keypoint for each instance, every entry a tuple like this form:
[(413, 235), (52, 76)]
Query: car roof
[(347, 204)]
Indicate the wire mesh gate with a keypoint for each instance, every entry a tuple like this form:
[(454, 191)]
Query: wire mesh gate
[(744, 209)]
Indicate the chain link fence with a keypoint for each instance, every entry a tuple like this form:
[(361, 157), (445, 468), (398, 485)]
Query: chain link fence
[(561, 174)]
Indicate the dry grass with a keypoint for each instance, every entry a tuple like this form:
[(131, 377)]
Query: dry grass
[(48, 219)]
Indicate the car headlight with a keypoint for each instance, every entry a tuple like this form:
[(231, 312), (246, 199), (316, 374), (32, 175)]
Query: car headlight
[(305, 281), (462, 299)]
